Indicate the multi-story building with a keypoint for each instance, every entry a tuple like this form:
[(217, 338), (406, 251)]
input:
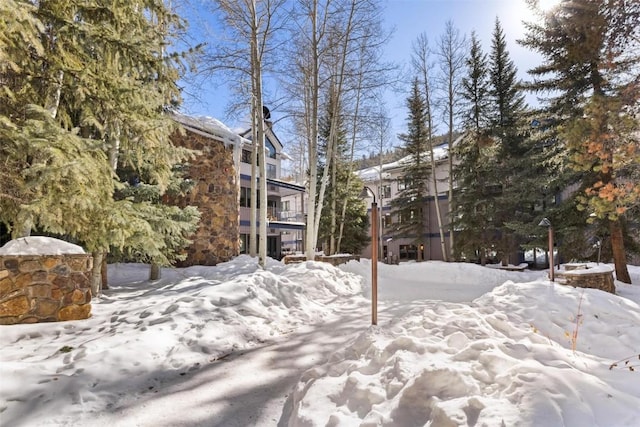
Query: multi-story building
[(285, 228), (386, 181), (222, 179)]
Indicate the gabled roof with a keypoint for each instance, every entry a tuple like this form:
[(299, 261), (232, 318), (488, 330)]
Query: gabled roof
[(440, 152), (269, 133)]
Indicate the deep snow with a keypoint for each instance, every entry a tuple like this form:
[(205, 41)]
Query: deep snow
[(233, 345)]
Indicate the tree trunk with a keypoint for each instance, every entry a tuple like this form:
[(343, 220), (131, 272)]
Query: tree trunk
[(96, 274), (104, 273), (253, 188), (332, 238), (619, 255), (312, 108), (421, 62), (154, 271)]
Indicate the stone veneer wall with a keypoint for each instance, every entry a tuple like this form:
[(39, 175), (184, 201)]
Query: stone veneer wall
[(579, 276), (44, 288), (216, 194)]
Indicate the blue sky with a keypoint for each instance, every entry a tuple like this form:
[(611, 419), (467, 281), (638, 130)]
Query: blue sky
[(407, 19)]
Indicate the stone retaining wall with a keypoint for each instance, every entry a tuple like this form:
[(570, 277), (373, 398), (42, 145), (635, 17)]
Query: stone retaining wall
[(44, 288), (585, 277)]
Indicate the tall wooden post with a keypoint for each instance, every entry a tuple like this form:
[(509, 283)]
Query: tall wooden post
[(374, 263)]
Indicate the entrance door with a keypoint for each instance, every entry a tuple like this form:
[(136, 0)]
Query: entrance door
[(273, 247)]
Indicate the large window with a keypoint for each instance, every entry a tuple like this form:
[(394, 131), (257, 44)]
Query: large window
[(408, 252), (245, 197), (271, 150)]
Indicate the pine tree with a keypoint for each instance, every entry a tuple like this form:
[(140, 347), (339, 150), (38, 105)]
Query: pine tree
[(512, 200), (409, 205), (476, 161), (88, 83), (590, 71), (53, 179)]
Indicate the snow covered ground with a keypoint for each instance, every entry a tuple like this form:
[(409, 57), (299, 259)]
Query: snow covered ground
[(232, 345)]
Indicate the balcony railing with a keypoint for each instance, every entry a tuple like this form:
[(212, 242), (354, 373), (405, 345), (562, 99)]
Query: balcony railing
[(275, 214)]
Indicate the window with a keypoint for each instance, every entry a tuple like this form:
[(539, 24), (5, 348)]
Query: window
[(404, 183), (386, 220), (271, 150), (271, 171), (385, 192), (286, 205), (246, 156), (408, 216), (245, 197), (408, 252), (244, 243)]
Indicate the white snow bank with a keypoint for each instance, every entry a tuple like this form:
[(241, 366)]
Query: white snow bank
[(142, 334), (39, 245), (453, 282), (162, 353), (506, 359)]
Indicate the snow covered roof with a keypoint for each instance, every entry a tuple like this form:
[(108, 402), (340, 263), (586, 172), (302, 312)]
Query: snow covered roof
[(211, 127), (373, 173), (440, 152)]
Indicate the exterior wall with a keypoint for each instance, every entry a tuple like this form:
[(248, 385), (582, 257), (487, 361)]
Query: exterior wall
[(390, 244), (273, 237), (44, 288), (216, 194), (284, 229)]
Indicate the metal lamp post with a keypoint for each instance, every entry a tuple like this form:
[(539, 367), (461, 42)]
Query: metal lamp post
[(374, 254), (546, 223)]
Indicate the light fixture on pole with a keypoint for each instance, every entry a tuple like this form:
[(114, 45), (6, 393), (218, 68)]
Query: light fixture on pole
[(546, 223), (598, 245), (366, 191)]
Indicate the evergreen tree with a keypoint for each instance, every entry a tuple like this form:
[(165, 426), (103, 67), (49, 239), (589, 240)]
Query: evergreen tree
[(87, 87), (590, 51), (510, 204), (476, 161), (408, 206)]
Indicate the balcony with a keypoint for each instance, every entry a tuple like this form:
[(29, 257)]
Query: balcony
[(275, 214)]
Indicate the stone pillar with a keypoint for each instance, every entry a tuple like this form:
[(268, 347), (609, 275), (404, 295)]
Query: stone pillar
[(44, 288)]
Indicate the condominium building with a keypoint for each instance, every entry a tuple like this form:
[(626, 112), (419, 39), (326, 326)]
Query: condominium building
[(386, 181)]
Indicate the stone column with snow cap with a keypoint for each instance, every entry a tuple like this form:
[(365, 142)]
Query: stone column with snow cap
[(43, 279)]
